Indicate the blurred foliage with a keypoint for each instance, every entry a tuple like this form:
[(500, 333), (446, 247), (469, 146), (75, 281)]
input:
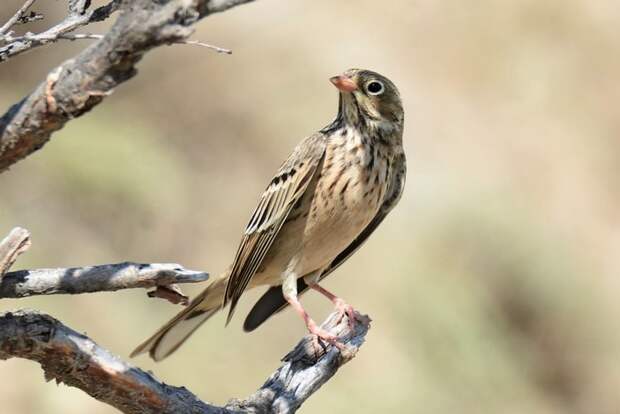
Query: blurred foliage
[(492, 286)]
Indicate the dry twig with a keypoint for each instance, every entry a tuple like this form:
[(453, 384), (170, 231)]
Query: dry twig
[(78, 16), (84, 81), (19, 15), (17, 242), (102, 278)]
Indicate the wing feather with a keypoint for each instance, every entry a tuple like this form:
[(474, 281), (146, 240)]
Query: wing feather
[(274, 206)]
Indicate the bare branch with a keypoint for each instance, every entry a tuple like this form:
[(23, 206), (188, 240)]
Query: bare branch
[(84, 81), (17, 242), (172, 293), (103, 278), (30, 17), (208, 46), (78, 17), (81, 36), (306, 368), (71, 358), (217, 6), (16, 17)]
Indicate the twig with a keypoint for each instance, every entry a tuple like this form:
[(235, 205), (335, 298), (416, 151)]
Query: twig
[(16, 17), (17, 242), (172, 293), (80, 36), (78, 16), (86, 80), (71, 358), (103, 278), (31, 17), (197, 43)]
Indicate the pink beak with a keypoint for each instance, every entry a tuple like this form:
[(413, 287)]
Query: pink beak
[(343, 83)]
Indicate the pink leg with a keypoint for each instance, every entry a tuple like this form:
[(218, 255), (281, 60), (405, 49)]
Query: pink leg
[(313, 328), (342, 307)]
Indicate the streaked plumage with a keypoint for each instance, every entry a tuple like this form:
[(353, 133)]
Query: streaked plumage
[(323, 203)]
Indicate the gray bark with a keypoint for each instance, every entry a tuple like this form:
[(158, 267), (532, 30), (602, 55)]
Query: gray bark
[(78, 15), (81, 83), (17, 242), (76, 360), (102, 278), (306, 368), (69, 357)]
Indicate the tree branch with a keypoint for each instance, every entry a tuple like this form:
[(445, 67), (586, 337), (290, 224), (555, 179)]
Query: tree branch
[(102, 278), (17, 242), (79, 84), (16, 17), (78, 16), (71, 358), (306, 368), (93, 36)]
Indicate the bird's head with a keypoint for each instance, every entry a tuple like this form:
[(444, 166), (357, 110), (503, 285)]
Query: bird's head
[(368, 99)]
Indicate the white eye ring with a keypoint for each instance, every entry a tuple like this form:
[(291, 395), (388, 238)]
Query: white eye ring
[(371, 87)]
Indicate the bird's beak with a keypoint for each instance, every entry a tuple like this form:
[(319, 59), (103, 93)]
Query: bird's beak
[(343, 83)]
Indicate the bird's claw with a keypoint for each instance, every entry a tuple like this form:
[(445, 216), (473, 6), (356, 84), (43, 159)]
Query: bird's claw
[(343, 309), (322, 334)]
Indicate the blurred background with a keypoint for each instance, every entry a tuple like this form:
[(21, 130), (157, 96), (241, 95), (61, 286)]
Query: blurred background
[(492, 286)]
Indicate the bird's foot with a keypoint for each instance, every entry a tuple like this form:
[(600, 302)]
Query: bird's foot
[(322, 334), (343, 309)]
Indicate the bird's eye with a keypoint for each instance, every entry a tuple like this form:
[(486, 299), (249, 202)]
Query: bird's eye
[(375, 88)]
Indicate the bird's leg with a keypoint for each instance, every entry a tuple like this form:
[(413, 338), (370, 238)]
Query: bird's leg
[(342, 307), (289, 289)]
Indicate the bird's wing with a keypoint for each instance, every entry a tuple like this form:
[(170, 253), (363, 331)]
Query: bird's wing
[(275, 204), (273, 300)]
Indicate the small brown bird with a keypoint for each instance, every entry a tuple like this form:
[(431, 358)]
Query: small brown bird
[(323, 203)]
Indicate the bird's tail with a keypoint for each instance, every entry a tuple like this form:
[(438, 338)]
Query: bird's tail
[(172, 335)]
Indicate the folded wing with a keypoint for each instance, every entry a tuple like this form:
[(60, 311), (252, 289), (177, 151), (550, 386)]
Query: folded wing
[(274, 206)]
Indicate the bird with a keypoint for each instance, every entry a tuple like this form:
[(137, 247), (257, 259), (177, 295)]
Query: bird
[(322, 204)]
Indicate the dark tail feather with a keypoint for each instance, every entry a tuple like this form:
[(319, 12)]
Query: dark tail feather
[(269, 304)]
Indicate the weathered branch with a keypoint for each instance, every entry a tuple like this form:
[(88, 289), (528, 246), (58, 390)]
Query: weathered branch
[(306, 368), (16, 17), (72, 358), (78, 16), (79, 84), (17, 242), (103, 278), (94, 36)]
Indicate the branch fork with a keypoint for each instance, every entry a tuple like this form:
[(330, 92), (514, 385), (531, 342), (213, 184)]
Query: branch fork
[(75, 360)]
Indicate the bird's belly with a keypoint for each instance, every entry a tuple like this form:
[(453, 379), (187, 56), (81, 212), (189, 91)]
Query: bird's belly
[(325, 222), (339, 218)]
